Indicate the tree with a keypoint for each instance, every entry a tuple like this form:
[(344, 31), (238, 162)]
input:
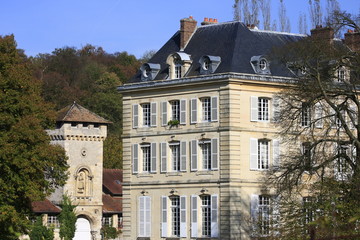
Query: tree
[(284, 21), (319, 178), (67, 219), (266, 13), (30, 167), (41, 232), (316, 15)]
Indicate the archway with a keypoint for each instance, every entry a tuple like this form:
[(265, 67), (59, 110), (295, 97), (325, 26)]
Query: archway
[(83, 229)]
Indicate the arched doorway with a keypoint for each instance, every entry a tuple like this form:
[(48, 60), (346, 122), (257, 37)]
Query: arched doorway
[(82, 229)]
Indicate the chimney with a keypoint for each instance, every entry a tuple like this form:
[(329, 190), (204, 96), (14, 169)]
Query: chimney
[(208, 21), (187, 28), (352, 40), (323, 34)]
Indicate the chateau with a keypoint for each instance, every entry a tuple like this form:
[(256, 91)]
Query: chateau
[(199, 131)]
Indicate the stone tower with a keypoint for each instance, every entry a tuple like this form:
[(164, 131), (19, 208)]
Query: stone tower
[(82, 133)]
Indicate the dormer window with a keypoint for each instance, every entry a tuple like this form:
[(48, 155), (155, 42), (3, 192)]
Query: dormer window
[(149, 71), (260, 65), (209, 64), (179, 63)]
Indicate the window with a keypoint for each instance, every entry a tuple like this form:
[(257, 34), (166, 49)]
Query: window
[(260, 109), (206, 155), (120, 221), (146, 158), (146, 114), (206, 109), (260, 65), (260, 151), (263, 64), (305, 115), (52, 220), (205, 151), (206, 64), (264, 215), (263, 154), (309, 214), (342, 167), (178, 68), (106, 221), (175, 216), (175, 110), (144, 216), (175, 156), (341, 75), (206, 215), (307, 155)]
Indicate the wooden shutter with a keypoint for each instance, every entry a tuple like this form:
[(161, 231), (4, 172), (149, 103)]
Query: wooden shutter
[(254, 206), (153, 157), (214, 216), (183, 230), (214, 154), (147, 216), (214, 109), (276, 109), (318, 115), (135, 157), (254, 109), (276, 153), (182, 111), (135, 116), (193, 148), (194, 215), (183, 156), (163, 153), (164, 222), (164, 120), (253, 154), (153, 111), (193, 106), (142, 216)]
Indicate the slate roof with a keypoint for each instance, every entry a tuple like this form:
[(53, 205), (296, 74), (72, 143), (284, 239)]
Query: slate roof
[(234, 42), (44, 207), (77, 113), (112, 181), (111, 204)]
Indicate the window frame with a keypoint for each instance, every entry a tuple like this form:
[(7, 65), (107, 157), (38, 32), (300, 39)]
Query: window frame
[(146, 114), (175, 216), (205, 109), (205, 207)]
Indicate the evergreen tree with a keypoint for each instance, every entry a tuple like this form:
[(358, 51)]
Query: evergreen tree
[(41, 232), (67, 219)]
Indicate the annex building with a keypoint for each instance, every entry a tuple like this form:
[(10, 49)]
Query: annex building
[(199, 132)]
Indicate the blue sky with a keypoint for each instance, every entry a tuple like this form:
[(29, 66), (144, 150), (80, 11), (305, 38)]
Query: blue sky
[(134, 26)]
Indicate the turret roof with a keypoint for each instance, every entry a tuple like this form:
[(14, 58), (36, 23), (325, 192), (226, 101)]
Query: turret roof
[(77, 113)]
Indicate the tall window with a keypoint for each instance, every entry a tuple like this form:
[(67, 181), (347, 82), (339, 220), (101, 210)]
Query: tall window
[(342, 167), (206, 155), (341, 75), (206, 215), (263, 109), (175, 156), (308, 209), (206, 109), (305, 115), (175, 110), (175, 216), (146, 114), (146, 158), (263, 154), (264, 215), (178, 68), (306, 151)]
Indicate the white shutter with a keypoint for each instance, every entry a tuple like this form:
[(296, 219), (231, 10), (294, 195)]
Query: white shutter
[(194, 215), (153, 114), (164, 120), (142, 216), (276, 213), (164, 231), (253, 154), (135, 158), (135, 116), (318, 115), (254, 206), (163, 150), (183, 230), (214, 109), (254, 109), (214, 216), (276, 153), (183, 156), (276, 109), (153, 157), (353, 113), (214, 154), (193, 148), (193, 109), (147, 216), (182, 111)]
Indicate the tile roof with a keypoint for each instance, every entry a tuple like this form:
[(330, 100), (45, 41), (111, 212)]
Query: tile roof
[(112, 181), (77, 113), (44, 207), (234, 42), (111, 204)]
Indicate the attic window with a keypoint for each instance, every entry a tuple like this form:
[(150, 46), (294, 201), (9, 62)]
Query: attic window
[(179, 63), (209, 64), (149, 71), (260, 65), (178, 68)]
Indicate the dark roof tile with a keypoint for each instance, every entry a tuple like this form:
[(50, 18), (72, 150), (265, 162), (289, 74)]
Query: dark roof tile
[(44, 207)]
